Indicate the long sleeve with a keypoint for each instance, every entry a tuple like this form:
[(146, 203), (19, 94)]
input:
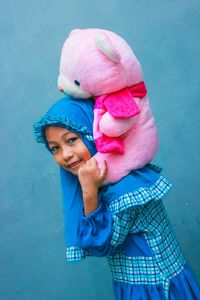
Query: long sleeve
[(95, 232), (100, 232)]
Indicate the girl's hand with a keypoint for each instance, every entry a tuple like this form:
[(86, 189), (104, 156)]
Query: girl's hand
[(91, 178)]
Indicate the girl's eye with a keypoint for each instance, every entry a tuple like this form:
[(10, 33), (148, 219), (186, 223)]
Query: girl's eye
[(54, 149), (72, 140)]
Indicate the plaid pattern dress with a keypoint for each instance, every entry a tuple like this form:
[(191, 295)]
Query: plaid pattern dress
[(166, 260), (143, 254)]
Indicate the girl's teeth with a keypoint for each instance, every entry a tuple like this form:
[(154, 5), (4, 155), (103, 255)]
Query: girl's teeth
[(74, 164)]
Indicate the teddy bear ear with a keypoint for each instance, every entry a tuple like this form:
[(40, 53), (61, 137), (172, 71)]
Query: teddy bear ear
[(103, 43), (74, 31)]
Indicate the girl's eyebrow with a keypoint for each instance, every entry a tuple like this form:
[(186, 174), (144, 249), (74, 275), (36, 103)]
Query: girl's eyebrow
[(66, 133), (62, 136)]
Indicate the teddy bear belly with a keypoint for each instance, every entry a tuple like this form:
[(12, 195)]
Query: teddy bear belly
[(140, 147)]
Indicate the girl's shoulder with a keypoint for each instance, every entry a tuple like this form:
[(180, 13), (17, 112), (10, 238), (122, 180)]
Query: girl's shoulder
[(137, 188)]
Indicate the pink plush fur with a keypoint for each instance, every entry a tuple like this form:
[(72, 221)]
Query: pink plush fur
[(96, 62)]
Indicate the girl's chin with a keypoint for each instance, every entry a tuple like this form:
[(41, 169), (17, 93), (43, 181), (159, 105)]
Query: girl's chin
[(75, 172)]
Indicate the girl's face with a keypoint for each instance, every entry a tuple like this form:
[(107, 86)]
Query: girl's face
[(67, 147)]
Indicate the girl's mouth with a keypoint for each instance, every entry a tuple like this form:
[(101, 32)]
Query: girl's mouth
[(74, 164)]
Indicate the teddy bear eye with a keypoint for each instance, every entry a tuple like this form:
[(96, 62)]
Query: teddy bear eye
[(77, 82)]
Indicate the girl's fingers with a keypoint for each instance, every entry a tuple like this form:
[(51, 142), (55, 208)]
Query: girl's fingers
[(103, 170), (94, 165), (93, 162), (91, 167), (89, 163)]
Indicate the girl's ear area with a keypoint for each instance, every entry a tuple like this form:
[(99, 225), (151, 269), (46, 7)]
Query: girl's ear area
[(104, 44)]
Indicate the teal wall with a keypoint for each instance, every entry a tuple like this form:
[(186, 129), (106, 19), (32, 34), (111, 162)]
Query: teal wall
[(165, 36)]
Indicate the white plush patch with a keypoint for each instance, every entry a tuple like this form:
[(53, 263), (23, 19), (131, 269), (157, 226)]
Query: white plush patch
[(71, 88)]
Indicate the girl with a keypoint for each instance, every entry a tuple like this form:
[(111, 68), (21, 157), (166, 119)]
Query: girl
[(125, 221)]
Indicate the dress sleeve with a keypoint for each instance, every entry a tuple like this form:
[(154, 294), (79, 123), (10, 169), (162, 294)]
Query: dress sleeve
[(100, 232), (95, 232)]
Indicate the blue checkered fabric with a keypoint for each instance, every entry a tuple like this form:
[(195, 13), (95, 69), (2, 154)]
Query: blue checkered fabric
[(167, 260), (75, 253), (141, 195), (121, 227)]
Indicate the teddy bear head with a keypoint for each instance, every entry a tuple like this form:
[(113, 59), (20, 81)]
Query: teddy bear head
[(96, 62)]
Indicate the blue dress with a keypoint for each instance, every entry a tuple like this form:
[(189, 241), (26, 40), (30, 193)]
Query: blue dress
[(132, 230)]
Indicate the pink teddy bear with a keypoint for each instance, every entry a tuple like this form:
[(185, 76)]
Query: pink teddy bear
[(100, 64)]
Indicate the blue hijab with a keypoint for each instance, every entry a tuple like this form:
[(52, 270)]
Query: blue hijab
[(76, 116), (137, 188)]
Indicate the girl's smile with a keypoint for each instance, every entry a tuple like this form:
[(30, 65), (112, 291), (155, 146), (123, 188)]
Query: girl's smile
[(67, 147), (74, 165)]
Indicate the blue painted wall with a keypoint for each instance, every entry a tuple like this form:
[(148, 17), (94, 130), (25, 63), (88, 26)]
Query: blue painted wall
[(165, 36)]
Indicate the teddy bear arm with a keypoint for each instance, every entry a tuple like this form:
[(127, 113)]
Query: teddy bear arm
[(114, 127)]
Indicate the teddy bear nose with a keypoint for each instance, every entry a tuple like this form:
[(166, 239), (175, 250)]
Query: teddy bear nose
[(60, 89)]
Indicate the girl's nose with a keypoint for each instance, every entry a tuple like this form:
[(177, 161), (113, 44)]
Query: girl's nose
[(67, 154)]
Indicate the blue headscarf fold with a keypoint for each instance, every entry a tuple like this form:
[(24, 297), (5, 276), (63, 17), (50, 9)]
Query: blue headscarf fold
[(77, 116)]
